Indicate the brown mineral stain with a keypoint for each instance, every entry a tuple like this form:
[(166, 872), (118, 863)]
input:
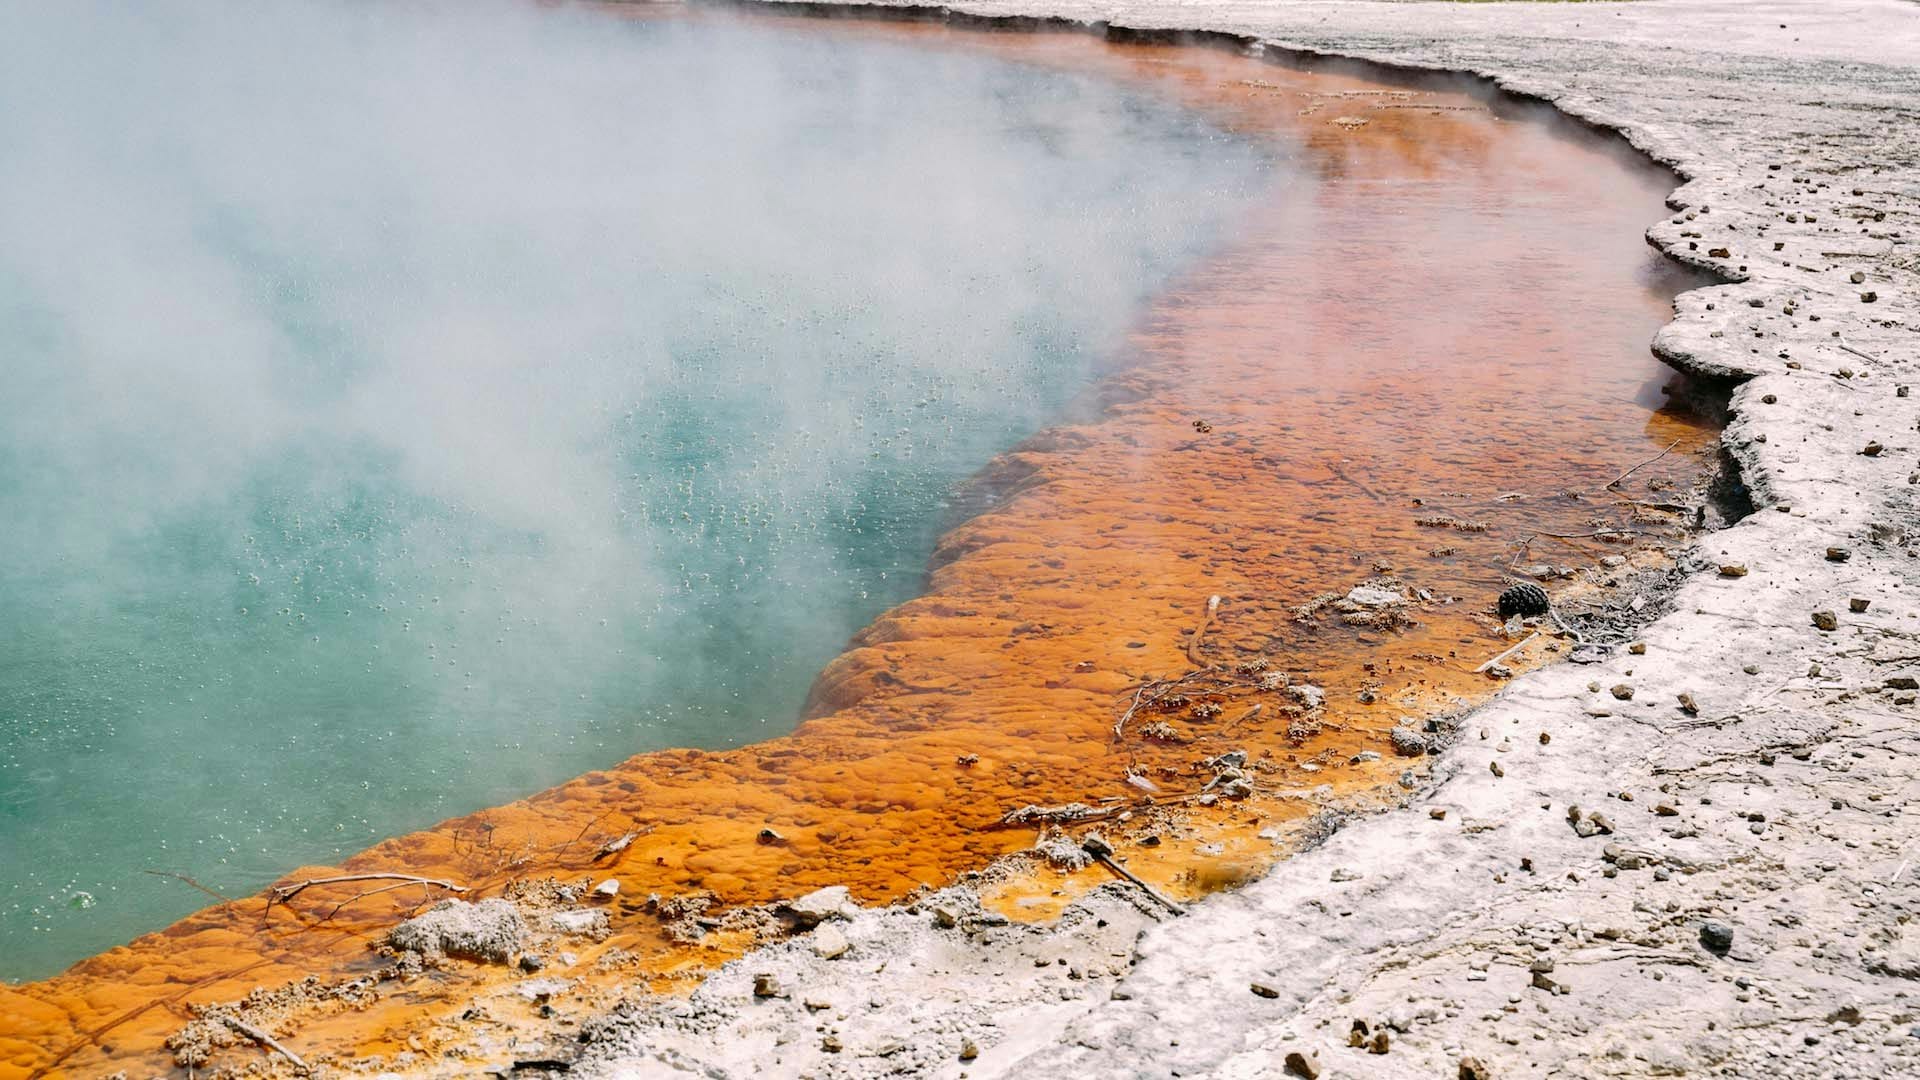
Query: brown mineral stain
[(1449, 326)]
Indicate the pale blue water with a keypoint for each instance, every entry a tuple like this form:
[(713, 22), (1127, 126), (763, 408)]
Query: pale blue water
[(403, 409)]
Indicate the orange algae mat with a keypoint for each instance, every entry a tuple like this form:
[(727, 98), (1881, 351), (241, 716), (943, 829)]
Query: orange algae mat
[(1435, 355)]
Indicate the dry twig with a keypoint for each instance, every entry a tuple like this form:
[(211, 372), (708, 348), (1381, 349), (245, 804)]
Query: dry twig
[(286, 894), (1616, 480), (264, 1039)]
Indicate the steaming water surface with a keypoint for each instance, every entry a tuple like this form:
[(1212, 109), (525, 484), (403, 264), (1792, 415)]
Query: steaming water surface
[(406, 409)]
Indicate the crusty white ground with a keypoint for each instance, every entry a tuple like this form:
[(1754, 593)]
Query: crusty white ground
[(1790, 801)]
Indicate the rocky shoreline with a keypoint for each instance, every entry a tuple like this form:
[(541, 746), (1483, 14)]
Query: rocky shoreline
[(1694, 859)]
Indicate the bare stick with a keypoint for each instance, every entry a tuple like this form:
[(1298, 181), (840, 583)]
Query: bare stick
[(1098, 848), (1199, 632), (182, 877), (265, 1040), (1339, 473), (1858, 353), (1524, 642), (374, 892), (1616, 480), (284, 895)]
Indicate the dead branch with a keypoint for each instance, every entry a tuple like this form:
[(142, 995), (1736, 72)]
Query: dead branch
[(285, 894), (1340, 473), (182, 877), (264, 1039), (1616, 480), (1524, 642), (1199, 632), (372, 892)]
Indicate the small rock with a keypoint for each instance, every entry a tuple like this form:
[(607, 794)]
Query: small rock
[(1472, 1069), (969, 1050), (1437, 813), (831, 1044), (1688, 705), (1825, 620), (766, 985), (945, 918), (1872, 449), (1381, 1042), (581, 922), (1638, 648), (489, 931), (1858, 605), (607, 889), (1305, 1066), (1341, 873), (818, 906), (1494, 768), (1622, 691), (829, 943), (771, 838), (1838, 554), (1903, 682), (1263, 990), (1733, 570), (1407, 742), (1716, 937)]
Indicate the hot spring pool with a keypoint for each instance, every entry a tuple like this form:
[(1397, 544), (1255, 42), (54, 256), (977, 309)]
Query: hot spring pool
[(408, 408)]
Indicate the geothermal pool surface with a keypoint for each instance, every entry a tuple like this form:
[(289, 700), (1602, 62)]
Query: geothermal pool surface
[(389, 434), (1258, 334)]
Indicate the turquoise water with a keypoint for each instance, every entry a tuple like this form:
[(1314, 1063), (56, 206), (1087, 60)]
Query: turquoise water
[(408, 408)]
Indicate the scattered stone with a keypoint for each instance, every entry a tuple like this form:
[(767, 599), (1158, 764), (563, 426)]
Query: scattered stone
[(818, 906), (1494, 768), (1622, 691), (1716, 937), (490, 931), (1407, 742), (1437, 813), (1688, 705), (1638, 648), (1872, 449), (766, 985), (581, 922), (1826, 620), (1858, 605), (771, 838), (1305, 1066), (1733, 570), (1903, 682), (969, 1050), (945, 918), (829, 943), (1261, 989), (1472, 1069), (1838, 554)]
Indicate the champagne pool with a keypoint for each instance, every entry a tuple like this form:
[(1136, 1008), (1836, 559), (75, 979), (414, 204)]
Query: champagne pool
[(409, 407)]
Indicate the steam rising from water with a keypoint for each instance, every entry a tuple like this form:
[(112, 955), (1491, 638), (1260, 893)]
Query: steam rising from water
[(410, 406)]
